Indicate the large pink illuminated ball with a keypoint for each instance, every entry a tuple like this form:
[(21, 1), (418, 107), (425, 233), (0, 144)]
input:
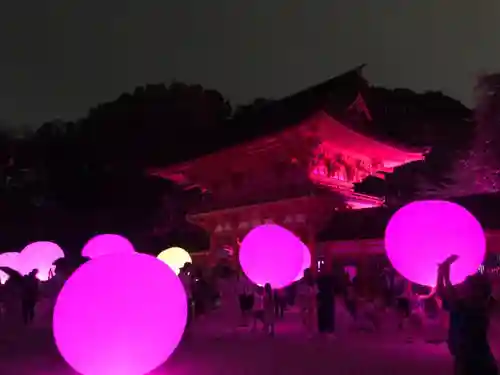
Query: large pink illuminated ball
[(9, 260), (306, 262), (423, 234), (40, 256), (105, 244), (271, 254), (107, 320)]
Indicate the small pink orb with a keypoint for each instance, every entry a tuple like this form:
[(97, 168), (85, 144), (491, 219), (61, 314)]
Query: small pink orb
[(423, 234), (40, 256), (121, 313), (306, 262), (271, 254), (105, 244)]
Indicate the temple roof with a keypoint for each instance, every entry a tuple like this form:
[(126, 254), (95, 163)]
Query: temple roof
[(371, 223), (335, 97)]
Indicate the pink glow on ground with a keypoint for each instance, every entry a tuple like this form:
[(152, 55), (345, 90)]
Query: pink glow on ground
[(41, 256), (306, 262), (105, 244), (110, 321), (271, 254), (423, 234), (10, 260)]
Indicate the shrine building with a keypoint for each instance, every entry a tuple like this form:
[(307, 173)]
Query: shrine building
[(296, 165)]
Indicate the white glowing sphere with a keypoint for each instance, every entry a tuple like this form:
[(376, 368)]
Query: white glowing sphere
[(175, 258)]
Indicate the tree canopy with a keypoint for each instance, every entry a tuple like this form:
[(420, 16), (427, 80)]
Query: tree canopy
[(88, 176)]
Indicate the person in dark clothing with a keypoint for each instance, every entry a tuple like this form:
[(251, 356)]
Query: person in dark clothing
[(29, 296), (326, 304), (279, 303), (468, 304), (350, 300)]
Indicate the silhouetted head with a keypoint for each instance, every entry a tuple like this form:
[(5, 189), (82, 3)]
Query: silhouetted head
[(33, 273), (268, 289), (308, 276), (187, 267), (476, 289)]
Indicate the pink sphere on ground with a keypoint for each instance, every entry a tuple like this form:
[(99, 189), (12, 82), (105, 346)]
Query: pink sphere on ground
[(105, 244), (271, 254), (107, 320), (306, 262), (40, 256), (423, 234)]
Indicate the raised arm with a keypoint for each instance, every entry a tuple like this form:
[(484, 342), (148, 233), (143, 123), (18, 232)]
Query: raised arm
[(444, 286)]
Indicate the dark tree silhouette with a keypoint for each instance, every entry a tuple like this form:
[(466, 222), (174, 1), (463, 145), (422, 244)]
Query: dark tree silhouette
[(75, 179), (429, 120), (477, 170), (252, 108)]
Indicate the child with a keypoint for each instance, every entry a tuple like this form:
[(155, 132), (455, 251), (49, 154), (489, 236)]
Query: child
[(350, 300), (404, 306), (258, 310), (245, 297), (269, 315), (279, 303)]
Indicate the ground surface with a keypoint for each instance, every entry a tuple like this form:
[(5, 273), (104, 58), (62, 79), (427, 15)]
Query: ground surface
[(215, 347)]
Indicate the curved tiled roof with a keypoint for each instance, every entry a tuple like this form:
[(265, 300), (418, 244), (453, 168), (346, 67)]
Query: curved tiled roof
[(371, 223)]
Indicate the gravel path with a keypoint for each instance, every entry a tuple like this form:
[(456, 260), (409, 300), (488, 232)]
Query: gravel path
[(215, 347)]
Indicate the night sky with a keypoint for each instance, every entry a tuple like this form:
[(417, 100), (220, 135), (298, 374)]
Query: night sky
[(59, 57)]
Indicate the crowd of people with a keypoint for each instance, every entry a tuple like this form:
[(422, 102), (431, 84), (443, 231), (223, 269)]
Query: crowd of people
[(455, 315), (458, 315)]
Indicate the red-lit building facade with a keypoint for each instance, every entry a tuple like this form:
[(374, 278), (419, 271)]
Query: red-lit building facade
[(297, 166)]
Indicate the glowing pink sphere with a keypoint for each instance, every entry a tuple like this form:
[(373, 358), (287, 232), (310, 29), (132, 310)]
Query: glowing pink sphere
[(105, 244), (423, 234), (306, 262), (40, 256), (271, 254), (107, 320), (10, 260)]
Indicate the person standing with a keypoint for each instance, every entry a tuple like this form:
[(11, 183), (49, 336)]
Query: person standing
[(403, 301), (279, 303), (245, 291), (186, 277), (326, 304), (469, 321), (306, 300), (29, 298), (269, 312)]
